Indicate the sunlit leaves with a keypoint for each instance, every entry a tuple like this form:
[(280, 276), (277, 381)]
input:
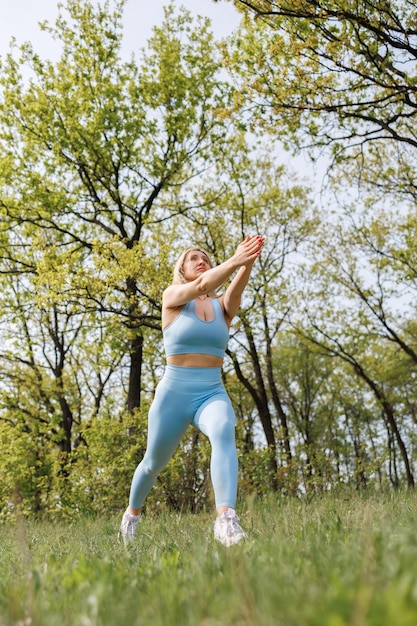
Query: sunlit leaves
[(352, 64)]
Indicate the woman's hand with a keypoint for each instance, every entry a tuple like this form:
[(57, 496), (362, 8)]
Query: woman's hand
[(248, 251)]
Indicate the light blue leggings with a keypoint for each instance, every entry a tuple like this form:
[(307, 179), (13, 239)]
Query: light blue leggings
[(184, 396)]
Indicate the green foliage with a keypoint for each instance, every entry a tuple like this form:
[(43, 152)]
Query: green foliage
[(344, 62), (257, 475), (337, 80), (103, 463), (109, 168), (28, 468)]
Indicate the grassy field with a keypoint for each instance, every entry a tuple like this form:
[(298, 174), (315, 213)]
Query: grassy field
[(346, 561)]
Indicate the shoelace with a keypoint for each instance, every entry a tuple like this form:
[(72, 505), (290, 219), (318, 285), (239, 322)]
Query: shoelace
[(130, 526), (232, 525)]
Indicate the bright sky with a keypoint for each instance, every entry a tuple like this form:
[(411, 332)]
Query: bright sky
[(20, 18)]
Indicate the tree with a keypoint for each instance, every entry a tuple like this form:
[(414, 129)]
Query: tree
[(307, 390), (338, 75), (360, 308), (92, 150)]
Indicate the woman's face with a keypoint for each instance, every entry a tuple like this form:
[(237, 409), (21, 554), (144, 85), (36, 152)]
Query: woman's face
[(195, 263)]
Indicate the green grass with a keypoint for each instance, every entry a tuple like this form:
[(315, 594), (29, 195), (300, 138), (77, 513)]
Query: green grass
[(346, 561)]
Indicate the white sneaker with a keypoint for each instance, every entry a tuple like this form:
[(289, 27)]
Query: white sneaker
[(227, 529), (128, 527)]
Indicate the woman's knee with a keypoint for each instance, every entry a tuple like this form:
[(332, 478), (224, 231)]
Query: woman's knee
[(152, 467), (222, 434)]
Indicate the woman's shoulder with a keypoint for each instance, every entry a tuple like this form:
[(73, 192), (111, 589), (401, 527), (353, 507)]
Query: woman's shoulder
[(169, 289), (170, 296)]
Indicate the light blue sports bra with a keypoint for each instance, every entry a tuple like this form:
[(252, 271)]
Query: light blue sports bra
[(188, 334)]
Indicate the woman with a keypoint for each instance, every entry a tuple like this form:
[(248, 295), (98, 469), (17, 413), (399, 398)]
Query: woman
[(195, 324)]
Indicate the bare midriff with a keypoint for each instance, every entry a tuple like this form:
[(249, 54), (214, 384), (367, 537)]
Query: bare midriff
[(195, 360)]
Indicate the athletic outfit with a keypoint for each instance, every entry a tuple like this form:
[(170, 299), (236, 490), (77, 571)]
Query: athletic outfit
[(191, 395)]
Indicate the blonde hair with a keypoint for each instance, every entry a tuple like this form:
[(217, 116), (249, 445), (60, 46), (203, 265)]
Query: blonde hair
[(178, 275)]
